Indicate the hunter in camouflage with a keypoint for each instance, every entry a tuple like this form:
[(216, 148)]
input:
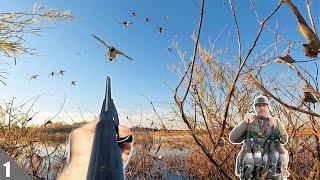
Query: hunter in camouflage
[(263, 136)]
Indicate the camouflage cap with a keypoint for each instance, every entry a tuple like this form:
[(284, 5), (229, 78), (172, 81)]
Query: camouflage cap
[(261, 100)]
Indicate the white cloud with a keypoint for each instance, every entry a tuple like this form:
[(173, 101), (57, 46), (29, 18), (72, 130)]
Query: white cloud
[(65, 117), (145, 118), (149, 118)]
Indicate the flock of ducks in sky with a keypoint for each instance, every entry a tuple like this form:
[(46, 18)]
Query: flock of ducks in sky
[(52, 74), (112, 51), (126, 23)]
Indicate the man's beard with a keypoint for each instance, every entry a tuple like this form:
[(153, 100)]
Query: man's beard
[(265, 115)]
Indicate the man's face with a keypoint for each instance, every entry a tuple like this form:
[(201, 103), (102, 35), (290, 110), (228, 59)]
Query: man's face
[(262, 109)]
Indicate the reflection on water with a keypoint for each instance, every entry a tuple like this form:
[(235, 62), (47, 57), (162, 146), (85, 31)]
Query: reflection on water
[(158, 162), (52, 155), (38, 161)]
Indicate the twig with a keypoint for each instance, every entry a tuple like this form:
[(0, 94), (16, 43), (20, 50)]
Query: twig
[(311, 18), (193, 61), (237, 29), (61, 107)]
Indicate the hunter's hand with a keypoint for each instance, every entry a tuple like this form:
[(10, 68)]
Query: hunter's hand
[(249, 117), (80, 147), (273, 121)]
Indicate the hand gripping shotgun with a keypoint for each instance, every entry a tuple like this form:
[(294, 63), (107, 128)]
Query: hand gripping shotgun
[(106, 160)]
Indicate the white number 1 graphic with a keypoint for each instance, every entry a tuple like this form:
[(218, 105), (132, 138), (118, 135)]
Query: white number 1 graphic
[(7, 165)]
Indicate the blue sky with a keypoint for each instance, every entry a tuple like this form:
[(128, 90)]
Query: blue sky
[(148, 74)]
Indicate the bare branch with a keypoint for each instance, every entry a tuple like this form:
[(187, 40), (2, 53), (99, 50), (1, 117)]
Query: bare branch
[(232, 87)]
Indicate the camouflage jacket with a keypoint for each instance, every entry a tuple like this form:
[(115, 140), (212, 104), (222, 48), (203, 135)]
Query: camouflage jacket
[(261, 127)]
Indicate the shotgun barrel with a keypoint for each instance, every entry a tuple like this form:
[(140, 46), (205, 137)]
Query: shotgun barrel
[(106, 160)]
